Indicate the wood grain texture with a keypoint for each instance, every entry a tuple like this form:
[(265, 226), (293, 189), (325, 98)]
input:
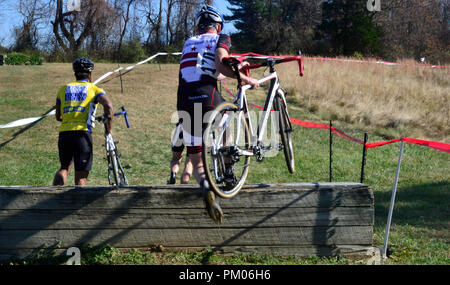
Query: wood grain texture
[(286, 219)]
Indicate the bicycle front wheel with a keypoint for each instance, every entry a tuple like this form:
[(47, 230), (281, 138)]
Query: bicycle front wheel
[(285, 133), (118, 173), (114, 167), (226, 143)]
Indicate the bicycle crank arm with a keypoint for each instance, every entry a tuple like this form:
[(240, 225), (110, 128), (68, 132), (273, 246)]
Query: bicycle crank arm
[(246, 152)]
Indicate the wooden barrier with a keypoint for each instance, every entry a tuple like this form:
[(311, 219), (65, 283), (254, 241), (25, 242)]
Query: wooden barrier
[(300, 219)]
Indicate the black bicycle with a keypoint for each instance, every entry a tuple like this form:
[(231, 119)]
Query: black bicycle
[(112, 153)]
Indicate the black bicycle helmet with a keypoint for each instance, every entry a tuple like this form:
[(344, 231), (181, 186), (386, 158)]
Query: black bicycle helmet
[(208, 15), (83, 65)]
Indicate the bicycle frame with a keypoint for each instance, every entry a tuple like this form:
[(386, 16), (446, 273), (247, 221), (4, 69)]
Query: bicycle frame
[(257, 136), (275, 89), (241, 101), (110, 144)]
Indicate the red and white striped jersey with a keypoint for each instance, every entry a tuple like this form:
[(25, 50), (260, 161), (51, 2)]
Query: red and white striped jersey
[(198, 57)]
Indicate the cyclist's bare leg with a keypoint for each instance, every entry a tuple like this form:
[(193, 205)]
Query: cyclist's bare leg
[(174, 166), (176, 161), (61, 176), (212, 205), (81, 177), (197, 165), (187, 172)]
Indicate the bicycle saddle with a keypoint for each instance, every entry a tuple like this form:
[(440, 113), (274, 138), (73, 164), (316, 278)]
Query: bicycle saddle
[(233, 61)]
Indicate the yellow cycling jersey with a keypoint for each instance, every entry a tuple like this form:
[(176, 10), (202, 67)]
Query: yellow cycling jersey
[(78, 101)]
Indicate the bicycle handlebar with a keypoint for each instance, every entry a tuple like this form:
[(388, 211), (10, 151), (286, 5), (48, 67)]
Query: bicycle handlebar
[(102, 118), (272, 61)]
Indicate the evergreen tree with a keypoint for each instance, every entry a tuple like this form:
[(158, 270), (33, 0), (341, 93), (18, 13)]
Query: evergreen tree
[(274, 26), (348, 27)]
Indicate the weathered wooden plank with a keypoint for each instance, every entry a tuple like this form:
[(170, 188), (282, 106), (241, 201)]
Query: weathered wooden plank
[(198, 237), (296, 219), (178, 218), (185, 196)]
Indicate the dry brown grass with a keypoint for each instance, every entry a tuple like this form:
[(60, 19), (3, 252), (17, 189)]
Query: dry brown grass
[(405, 100)]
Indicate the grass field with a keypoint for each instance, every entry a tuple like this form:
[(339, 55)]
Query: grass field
[(420, 230)]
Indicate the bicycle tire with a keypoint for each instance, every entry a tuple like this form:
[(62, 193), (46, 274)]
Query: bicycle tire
[(215, 163), (123, 178), (114, 166), (285, 133)]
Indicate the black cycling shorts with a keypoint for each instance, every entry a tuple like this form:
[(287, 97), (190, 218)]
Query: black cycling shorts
[(194, 101), (177, 140), (75, 147)]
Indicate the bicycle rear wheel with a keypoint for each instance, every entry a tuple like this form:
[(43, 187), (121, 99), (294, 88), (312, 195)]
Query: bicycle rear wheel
[(113, 166), (285, 133), (118, 173), (226, 142)]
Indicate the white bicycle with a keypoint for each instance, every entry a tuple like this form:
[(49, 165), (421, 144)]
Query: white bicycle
[(229, 140), (112, 153)]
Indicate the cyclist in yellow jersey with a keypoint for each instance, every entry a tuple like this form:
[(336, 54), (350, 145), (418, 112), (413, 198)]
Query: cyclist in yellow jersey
[(76, 103)]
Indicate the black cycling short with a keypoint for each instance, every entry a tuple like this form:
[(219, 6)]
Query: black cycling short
[(177, 140), (75, 147), (194, 101)]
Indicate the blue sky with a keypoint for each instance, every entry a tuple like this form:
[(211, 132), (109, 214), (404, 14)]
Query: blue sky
[(10, 18), (222, 6)]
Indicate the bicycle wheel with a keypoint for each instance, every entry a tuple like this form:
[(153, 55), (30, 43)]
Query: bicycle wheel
[(226, 142), (119, 174), (114, 166), (285, 133), (123, 178)]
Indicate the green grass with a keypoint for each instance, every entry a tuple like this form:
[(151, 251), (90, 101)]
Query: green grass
[(28, 156)]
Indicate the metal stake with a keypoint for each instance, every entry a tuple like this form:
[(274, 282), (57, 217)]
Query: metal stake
[(121, 84), (331, 151), (391, 207), (363, 158)]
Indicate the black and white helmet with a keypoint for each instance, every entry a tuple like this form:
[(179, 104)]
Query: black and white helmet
[(208, 15), (83, 65)]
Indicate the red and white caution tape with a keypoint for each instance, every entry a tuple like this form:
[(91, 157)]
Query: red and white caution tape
[(445, 147), (262, 56)]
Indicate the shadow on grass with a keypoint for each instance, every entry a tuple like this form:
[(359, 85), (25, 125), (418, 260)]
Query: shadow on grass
[(425, 205)]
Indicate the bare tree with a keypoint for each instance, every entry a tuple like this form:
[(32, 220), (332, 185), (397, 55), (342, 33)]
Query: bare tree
[(72, 28), (123, 10), (413, 29), (26, 34), (153, 22)]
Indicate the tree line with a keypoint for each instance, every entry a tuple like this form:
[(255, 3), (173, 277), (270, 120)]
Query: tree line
[(400, 29), (128, 30)]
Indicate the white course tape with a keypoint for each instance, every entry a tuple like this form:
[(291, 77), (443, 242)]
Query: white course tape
[(27, 121), (23, 122)]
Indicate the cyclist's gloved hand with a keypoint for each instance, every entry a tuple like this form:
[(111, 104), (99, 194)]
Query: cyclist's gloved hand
[(252, 81), (242, 65), (110, 132)]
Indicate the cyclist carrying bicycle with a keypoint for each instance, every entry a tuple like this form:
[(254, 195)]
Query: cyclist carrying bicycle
[(200, 66), (75, 109)]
